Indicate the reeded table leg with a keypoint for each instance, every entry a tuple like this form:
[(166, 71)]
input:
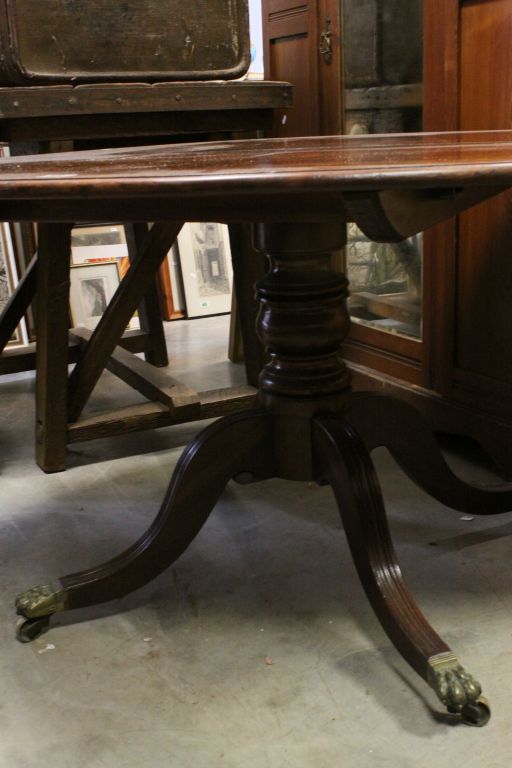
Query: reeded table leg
[(344, 462), (381, 420), (310, 427), (237, 445)]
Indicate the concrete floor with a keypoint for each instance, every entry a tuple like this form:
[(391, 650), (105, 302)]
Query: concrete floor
[(258, 648)]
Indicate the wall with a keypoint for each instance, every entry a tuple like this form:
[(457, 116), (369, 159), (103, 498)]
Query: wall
[(255, 24)]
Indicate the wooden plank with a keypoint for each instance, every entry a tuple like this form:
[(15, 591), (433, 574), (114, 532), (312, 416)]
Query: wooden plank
[(19, 359), (149, 308), (118, 313), (54, 249), (142, 124), (214, 403), (43, 101), (384, 97), (151, 382), (396, 307), (134, 341), (23, 358)]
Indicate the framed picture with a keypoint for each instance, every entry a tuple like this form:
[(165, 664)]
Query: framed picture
[(170, 285), (205, 259), (101, 242), (24, 238), (9, 280), (92, 287)]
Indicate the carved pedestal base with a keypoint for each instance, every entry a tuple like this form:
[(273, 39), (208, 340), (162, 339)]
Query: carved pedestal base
[(310, 426)]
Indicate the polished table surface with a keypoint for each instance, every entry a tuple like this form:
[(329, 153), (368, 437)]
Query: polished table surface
[(317, 164), (307, 424), (50, 118), (319, 178)]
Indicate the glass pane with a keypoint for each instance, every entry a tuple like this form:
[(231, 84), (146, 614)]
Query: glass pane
[(385, 283), (382, 49)]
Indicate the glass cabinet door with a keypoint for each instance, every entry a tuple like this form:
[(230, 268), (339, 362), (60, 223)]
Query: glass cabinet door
[(382, 74)]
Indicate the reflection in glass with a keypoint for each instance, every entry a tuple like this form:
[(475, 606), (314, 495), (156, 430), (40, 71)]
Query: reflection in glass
[(385, 283), (382, 56)]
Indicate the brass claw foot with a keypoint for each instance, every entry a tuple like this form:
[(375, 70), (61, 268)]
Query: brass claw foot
[(40, 601), (457, 689), (35, 606)]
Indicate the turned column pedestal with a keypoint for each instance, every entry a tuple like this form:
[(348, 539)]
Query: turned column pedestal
[(308, 426)]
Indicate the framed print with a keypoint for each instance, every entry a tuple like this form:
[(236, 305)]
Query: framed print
[(99, 242), (9, 280), (205, 259), (92, 287), (24, 238), (170, 286)]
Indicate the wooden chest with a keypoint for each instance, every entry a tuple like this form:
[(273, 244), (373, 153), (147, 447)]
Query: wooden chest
[(70, 41)]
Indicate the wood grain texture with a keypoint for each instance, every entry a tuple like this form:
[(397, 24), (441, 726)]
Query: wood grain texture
[(484, 275), (333, 163), (381, 420), (54, 250), (154, 415), (116, 317), (135, 98), (235, 444), (148, 380), (343, 460), (150, 318), (290, 34)]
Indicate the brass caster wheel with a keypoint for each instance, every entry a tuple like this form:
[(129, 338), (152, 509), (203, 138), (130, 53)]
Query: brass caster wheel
[(28, 629), (477, 714)]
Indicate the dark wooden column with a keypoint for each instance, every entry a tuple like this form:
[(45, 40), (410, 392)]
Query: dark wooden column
[(54, 246), (302, 321)]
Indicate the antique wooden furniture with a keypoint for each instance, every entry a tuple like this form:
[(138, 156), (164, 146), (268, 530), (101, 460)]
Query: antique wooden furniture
[(307, 424), (97, 40), (92, 115), (458, 374), (302, 46)]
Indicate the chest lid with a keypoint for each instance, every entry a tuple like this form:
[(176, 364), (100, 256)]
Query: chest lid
[(123, 40)]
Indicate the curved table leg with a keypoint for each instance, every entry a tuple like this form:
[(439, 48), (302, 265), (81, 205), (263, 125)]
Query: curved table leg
[(381, 420), (238, 444), (341, 458)]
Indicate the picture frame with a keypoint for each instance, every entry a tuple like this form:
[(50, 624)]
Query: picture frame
[(9, 280), (170, 286), (24, 237), (92, 287), (98, 242), (205, 260)]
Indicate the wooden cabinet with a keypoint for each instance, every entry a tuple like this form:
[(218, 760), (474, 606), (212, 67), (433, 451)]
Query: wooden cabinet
[(293, 34), (468, 81), (459, 373)]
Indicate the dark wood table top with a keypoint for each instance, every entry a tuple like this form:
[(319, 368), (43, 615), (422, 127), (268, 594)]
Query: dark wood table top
[(265, 179)]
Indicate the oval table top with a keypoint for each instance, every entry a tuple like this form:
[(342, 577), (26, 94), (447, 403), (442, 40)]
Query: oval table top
[(256, 179)]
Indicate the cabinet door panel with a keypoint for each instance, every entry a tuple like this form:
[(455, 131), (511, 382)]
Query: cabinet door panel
[(484, 287), (293, 34), (290, 34)]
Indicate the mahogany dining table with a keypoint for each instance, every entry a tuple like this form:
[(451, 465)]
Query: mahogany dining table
[(306, 423)]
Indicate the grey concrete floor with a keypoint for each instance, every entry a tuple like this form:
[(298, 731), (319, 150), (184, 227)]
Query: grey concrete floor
[(257, 649)]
